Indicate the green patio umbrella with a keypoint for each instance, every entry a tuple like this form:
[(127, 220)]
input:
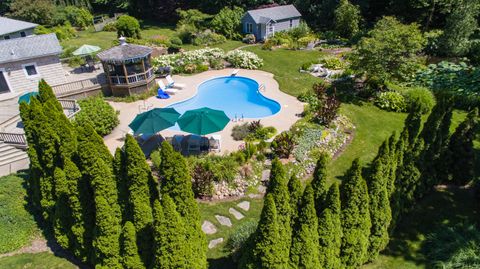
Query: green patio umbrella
[(153, 121), (203, 121), (85, 50), (26, 97)]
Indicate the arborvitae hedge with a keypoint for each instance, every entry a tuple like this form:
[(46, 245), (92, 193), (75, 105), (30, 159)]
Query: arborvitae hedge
[(355, 217), (330, 230), (305, 234), (319, 182), (295, 190), (129, 249)]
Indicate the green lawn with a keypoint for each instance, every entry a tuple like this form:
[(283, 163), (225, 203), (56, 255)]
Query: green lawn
[(17, 226), (43, 260)]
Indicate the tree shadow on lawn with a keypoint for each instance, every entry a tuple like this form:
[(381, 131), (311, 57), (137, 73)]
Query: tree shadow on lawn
[(441, 209), (220, 263), (47, 234)]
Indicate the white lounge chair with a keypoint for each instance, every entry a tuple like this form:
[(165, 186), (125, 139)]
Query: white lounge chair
[(162, 86), (173, 84), (235, 72), (215, 143)]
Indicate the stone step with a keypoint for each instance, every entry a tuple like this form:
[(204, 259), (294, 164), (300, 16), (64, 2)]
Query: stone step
[(12, 155)]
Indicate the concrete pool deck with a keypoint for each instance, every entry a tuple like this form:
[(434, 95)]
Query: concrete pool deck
[(286, 117)]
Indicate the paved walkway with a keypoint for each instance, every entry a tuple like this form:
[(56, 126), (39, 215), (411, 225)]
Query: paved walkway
[(282, 121)]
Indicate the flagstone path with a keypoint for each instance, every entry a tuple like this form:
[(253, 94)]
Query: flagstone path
[(235, 213), (225, 221), (213, 243), (208, 227)]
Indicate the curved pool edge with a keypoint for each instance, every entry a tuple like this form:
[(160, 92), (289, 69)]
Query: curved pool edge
[(218, 77)]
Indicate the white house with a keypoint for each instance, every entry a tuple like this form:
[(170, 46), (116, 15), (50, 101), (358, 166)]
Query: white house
[(10, 28), (24, 61)]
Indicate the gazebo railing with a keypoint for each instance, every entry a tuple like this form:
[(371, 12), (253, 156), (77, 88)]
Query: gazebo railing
[(132, 79)]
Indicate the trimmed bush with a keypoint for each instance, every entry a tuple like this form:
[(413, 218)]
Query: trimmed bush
[(208, 38), (391, 101), (128, 26), (421, 97), (244, 59), (99, 114), (110, 27)]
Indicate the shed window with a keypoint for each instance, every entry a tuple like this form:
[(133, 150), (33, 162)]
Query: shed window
[(30, 70), (249, 28), (291, 23), (22, 34)]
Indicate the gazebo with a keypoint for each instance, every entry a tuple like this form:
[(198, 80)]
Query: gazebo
[(128, 68)]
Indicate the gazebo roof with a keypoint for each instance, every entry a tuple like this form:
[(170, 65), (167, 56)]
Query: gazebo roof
[(124, 53)]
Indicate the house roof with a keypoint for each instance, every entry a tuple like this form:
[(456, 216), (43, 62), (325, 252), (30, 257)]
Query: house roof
[(29, 47), (264, 15), (8, 25), (124, 53)]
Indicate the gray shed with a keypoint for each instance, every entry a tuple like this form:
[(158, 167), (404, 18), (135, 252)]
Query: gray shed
[(266, 21)]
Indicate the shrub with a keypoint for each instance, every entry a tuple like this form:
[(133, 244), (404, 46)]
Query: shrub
[(78, 17), (302, 30), (208, 38), (268, 45), (332, 63), (228, 22), (391, 101), (202, 184), (325, 107), (156, 158), (128, 26), (282, 146), (99, 114), (216, 64), (188, 60), (244, 59), (63, 32), (202, 68), (175, 40), (264, 133), (306, 142), (76, 61), (224, 168), (240, 132), (421, 97), (110, 27), (249, 39), (304, 41), (238, 239), (254, 126)]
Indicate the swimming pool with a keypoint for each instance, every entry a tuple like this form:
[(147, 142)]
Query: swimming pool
[(236, 96)]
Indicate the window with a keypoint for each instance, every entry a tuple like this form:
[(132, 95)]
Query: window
[(291, 23), (30, 70), (249, 28), (6, 37), (22, 34)]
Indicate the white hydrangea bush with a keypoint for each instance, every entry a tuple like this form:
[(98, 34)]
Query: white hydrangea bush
[(203, 56), (244, 59)]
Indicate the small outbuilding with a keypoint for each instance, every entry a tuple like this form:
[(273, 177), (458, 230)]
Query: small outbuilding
[(264, 22), (128, 68)]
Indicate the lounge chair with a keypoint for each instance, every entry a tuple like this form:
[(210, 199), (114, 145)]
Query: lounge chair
[(173, 84), (235, 72), (165, 88), (162, 95), (215, 143)]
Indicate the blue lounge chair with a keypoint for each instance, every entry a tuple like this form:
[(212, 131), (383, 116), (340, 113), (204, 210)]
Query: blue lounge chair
[(162, 95)]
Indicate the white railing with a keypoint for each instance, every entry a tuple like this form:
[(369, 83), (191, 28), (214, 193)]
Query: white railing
[(132, 79)]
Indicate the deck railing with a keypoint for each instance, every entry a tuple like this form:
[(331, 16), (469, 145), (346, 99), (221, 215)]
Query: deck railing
[(11, 138), (132, 79), (75, 86), (70, 107)]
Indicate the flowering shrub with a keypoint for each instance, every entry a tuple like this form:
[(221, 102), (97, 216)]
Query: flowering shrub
[(306, 142), (244, 59), (184, 61), (391, 101)]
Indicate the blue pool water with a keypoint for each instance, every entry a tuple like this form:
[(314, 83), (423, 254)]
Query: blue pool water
[(236, 96)]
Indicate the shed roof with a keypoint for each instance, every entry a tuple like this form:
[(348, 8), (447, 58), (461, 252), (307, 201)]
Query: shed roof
[(124, 53), (274, 13), (29, 47), (8, 25)]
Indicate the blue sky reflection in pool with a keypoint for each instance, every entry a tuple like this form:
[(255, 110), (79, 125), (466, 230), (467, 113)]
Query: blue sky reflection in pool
[(233, 95)]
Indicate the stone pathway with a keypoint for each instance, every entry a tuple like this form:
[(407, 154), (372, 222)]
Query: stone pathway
[(245, 205), (265, 175), (213, 243), (235, 213), (225, 221), (208, 227)]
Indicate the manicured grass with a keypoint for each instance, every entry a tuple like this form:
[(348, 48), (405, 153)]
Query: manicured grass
[(439, 210), (285, 65), (43, 260), (17, 226), (208, 212)]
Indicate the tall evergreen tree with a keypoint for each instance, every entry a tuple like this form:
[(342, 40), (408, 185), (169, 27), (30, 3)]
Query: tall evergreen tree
[(355, 217), (138, 178), (380, 211), (392, 165), (45, 94), (347, 19), (413, 123), (319, 181), (267, 238), (170, 235), (62, 218), (279, 190), (175, 181), (330, 230), (295, 190), (129, 250), (305, 235), (460, 155), (119, 170)]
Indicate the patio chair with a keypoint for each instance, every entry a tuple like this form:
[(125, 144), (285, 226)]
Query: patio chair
[(162, 95), (235, 72), (166, 89), (173, 84), (177, 142), (215, 143), (194, 144)]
